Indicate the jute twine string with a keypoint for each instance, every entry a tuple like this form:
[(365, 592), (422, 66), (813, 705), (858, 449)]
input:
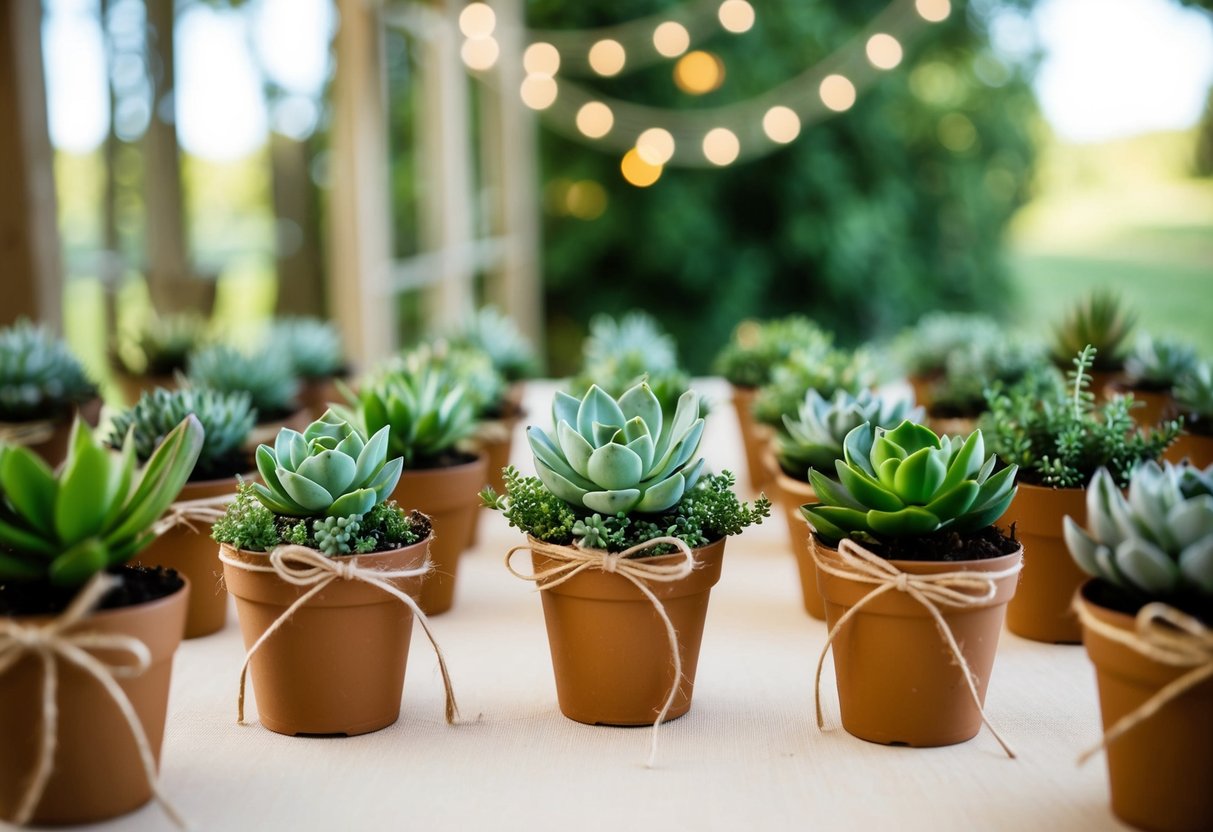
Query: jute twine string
[(187, 512), (301, 566), (50, 642), (1163, 634), (27, 433), (573, 560), (961, 590)]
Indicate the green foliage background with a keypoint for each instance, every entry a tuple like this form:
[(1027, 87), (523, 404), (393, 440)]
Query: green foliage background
[(864, 222)]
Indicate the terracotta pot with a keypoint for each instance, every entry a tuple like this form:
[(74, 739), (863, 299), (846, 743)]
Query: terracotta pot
[(922, 385), (952, 426), (337, 666), (792, 494), (497, 446), (193, 554), (264, 433), (97, 770), (316, 393), (132, 386), (898, 683), (754, 435), (1041, 609), (514, 395), (450, 497), (1193, 447), (1152, 406), (610, 650), (1160, 771)]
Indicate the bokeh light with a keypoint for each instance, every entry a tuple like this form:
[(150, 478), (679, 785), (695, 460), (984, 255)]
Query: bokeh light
[(781, 124), (477, 20), (655, 146), (837, 93), (884, 51), (671, 39), (595, 119), (541, 59), (933, 11), (720, 146), (637, 171), (538, 91), (736, 16), (698, 72), (479, 53), (607, 57)]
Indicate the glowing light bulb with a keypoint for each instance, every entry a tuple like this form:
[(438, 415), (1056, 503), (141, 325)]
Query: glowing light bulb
[(477, 20), (595, 119), (933, 11), (655, 146), (736, 16), (781, 124), (479, 53), (607, 57), (698, 72), (720, 146), (541, 59), (884, 51), (538, 91), (637, 171), (671, 39), (837, 93)]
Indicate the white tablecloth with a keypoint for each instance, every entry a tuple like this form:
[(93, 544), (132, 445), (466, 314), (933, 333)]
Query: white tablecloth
[(747, 756)]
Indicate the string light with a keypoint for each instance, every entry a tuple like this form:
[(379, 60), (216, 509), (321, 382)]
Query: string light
[(720, 146), (607, 57), (698, 72), (538, 91), (655, 146), (595, 119), (637, 171), (479, 53), (933, 11), (736, 16), (884, 51), (837, 93), (477, 20), (671, 39), (781, 124), (541, 59)]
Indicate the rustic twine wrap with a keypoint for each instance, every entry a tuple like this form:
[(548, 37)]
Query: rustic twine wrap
[(187, 512), (301, 566), (50, 642), (1163, 634), (27, 433), (577, 559), (959, 590)]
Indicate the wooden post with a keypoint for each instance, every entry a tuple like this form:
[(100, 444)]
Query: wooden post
[(31, 265), (359, 222), (300, 277)]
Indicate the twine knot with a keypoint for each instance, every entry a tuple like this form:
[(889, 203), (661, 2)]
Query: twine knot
[(186, 513), (573, 560), (304, 567), (50, 643), (951, 589)]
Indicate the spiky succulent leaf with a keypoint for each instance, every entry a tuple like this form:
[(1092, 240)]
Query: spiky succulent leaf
[(39, 376), (813, 437), (267, 378)]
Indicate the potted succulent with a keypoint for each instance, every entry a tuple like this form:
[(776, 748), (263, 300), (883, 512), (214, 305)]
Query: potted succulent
[(826, 372), (958, 398), (618, 354), (313, 350), (1194, 401), (87, 642), (430, 417), (813, 439), (512, 354), (155, 352), (916, 580), (184, 541), (324, 569), (1059, 438), (1101, 320), (268, 378), (627, 539), (924, 349), (1152, 370), (748, 360), (42, 389), (1147, 618)]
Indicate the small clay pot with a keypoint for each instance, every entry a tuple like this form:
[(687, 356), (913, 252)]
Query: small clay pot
[(450, 496), (316, 393), (1161, 771), (898, 682), (133, 386), (337, 666), (97, 770), (754, 435), (610, 650), (952, 425), (1194, 447), (193, 554), (497, 446), (514, 395), (1151, 406), (792, 494), (1042, 609)]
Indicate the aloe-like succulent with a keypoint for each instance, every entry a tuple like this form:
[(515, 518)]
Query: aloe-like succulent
[(620, 353), (227, 419), (95, 512), (312, 346), (1102, 320), (39, 376), (329, 470), (267, 377), (161, 345), (427, 410), (1157, 543), (906, 482), (1193, 394), (924, 349), (1157, 363), (498, 337), (813, 437), (619, 455), (756, 348), (471, 367)]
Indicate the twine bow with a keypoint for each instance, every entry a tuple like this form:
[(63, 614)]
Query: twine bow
[(187, 512), (301, 566), (1165, 635), (950, 589), (573, 560), (51, 642), (27, 433)]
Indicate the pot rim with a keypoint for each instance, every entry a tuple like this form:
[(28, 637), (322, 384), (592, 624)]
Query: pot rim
[(911, 565), (672, 557), (482, 457), (142, 606), (252, 555)]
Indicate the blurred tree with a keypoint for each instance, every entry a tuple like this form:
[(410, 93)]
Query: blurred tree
[(869, 219), (1204, 139)]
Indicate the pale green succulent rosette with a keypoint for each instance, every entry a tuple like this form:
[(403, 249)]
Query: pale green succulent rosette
[(329, 470), (619, 456)]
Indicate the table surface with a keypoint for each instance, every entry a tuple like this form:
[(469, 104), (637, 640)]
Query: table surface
[(748, 755)]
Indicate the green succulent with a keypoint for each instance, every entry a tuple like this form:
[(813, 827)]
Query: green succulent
[(619, 455), (924, 349), (95, 512), (428, 412), (813, 437), (498, 336), (1193, 393), (908, 482), (312, 346), (1157, 543), (827, 373), (756, 348), (1101, 320), (619, 354), (39, 376), (483, 385), (329, 470), (267, 377), (1158, 363), (162, 344), (226, 418), (971, 371)]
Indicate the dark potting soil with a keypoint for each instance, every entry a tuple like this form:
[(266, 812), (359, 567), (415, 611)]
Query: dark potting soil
[(1109, 596), (990, 542), (1198, 427), (140, 584)]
